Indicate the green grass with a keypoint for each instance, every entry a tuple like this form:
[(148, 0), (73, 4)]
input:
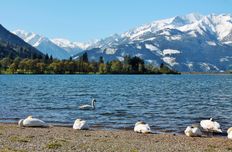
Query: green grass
[(55, 144), (20, 139), (134, 150), (7, 149), (211, 148)]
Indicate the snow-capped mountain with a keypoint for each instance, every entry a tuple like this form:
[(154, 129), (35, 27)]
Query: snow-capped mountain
[(186, 43), (71, 47), (43, 44)]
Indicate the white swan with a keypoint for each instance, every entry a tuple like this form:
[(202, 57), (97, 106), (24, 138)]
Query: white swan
[(193, 131), (31, 122), (88, 107), (211, 126), (80, 125), (229, 132), (142, 127)]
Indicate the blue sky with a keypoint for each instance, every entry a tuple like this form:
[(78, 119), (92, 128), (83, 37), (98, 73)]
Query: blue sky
[(85, 20)]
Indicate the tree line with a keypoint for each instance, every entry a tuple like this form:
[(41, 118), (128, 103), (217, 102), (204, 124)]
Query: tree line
[(48, 65)]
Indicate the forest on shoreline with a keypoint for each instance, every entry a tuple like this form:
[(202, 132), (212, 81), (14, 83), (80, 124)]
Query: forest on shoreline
[(48, 65)]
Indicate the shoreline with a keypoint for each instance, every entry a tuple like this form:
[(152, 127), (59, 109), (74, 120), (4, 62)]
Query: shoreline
[(58, 138), (180, 73)]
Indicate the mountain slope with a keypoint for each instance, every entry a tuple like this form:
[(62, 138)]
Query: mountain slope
[(11, 45), (186, 43), (71, 47), (43, 44)]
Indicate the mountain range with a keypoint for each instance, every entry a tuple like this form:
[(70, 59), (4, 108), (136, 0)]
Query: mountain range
[(192, 42), (12, 46), (186, 43)]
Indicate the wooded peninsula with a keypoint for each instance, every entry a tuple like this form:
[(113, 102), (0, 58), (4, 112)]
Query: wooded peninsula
[(47, 65)]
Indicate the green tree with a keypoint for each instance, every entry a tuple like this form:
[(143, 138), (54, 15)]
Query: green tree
[(101, 60), (116, 66), (84, 57), (41, 67), (102, 68), (5, 63), (134, 62)]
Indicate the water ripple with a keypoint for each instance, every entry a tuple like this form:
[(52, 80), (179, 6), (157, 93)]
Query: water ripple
[(167, 103)]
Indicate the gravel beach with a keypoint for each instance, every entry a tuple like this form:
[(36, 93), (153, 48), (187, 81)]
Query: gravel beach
[(13, 138)]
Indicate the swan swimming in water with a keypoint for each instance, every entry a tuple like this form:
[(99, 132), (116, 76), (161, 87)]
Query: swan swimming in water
[(211, 126), (88, 107), (80, 125), (193, 131), (31, 122), (142, 127)]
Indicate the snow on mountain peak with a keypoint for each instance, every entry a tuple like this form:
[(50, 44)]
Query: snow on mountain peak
[(42, 43), (170, 23), (64, 43), (192, 23), (30, 37)]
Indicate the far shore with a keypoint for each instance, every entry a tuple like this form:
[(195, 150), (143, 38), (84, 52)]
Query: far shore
[(206, 73), (13, 138)]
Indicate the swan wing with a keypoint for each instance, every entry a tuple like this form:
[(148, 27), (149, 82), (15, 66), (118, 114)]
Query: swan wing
[(79, 125), (142, 128), (229, 130), (193, 132), (196, 132), (33, 122), (216, 125), (85, 107), (210, 125), (229, 135), (206, 124), (20, 123), (188, 131)]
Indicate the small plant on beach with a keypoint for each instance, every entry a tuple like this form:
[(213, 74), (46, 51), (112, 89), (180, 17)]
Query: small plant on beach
[(134, 150), (55, 144), (20, 139), (7, 149), (211, 148), (229, 148)]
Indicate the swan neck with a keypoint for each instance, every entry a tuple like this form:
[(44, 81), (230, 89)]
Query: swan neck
[(93, 104)]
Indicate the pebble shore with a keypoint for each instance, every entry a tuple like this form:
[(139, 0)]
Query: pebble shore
[(15, 139)]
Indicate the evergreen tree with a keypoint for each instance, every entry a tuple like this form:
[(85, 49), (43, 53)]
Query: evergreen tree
[(51, 58), (101, 60), (84, 58)]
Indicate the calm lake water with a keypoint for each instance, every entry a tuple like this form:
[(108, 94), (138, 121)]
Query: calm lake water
[(167, 102)]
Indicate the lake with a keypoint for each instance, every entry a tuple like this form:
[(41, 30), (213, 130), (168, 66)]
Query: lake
[(167, 102)]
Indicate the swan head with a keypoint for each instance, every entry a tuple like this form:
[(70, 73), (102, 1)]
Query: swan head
[(20, 123), (211, 119), (94, 100), (29, 117)]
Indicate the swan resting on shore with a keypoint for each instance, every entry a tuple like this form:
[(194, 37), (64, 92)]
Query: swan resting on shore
[(142, 127), (88, 107), (31, 122), (80, 125), (193, 131), (229, 133), (211, 126)]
